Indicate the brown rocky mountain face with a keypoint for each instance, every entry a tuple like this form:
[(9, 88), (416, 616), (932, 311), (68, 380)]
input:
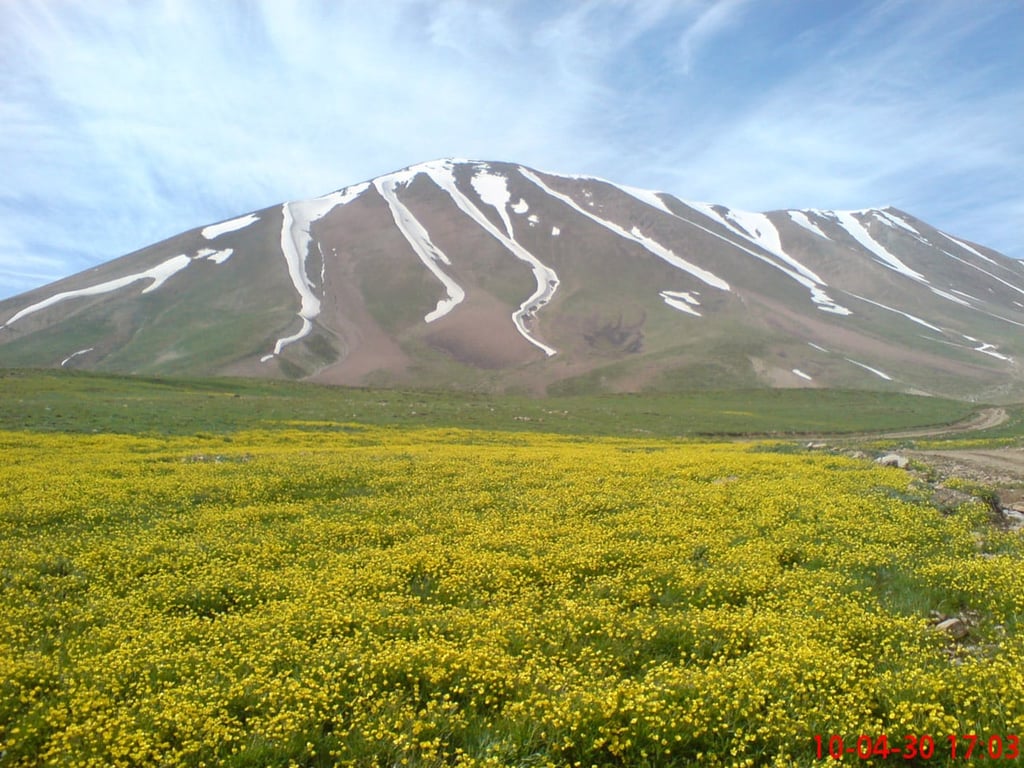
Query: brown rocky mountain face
[(473, 275)]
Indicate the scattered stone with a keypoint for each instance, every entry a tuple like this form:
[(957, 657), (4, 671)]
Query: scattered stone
[(817, 446), (948, 499), (893, 460), (1014, 518), (954, 627)]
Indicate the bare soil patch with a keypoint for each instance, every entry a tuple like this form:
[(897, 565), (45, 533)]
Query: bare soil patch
[(985, 419), (992, 466)]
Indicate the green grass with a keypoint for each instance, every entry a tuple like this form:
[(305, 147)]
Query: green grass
[(87, 402), (1008, 434)]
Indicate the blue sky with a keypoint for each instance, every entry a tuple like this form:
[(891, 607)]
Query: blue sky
[(122, 123)]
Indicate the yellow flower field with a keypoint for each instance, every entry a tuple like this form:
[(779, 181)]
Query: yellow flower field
[(336, 594)]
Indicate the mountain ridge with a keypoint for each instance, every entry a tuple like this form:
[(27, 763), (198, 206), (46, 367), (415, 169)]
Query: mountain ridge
[(491, 275)]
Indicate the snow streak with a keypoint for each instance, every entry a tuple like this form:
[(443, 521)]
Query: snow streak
[(217, 257), (493, 190), (913, 318), (216, 230), (895, 221), (983, 271), (804, 276), (636, 236), (296, 237), (547, 279), (418, 237), (759, 230), (950, 297), (875, 371), (802, 219), (644, 196), (681, 300), (968, 248), (73, 355), (158, 274), (861, 235)]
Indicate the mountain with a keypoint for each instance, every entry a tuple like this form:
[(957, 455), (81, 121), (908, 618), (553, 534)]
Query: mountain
[(494, 276)]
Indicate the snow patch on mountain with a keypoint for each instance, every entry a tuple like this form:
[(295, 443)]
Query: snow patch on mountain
[(158, 274), (803, 220), (759, 230), (859, 233), (895, 222), (990, 349), (73, 355), (232, 225), (983, 271), (646, 196), (419, 239), (217, 257), (802, 375), (968, 248), (520, 207), (296, 238), (161, 273), (965, 295), (294, 244), (636, 236), (910, 317), (813, 284), (949, 297), (892, 220), (547, 280), (307, 327), (684, 301), (875, 371), (493, 190)]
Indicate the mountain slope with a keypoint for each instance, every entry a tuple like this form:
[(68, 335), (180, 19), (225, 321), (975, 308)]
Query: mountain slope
[(468, 274)]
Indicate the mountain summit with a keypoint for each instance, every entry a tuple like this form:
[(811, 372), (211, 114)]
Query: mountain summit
[(491, 275)]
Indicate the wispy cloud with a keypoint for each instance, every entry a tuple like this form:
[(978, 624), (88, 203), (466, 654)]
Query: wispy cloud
[(886, 111), (125, 122), (713, 19)]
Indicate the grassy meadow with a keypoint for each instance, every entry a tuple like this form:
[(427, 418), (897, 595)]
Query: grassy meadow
[(86, 402), (252, 574)]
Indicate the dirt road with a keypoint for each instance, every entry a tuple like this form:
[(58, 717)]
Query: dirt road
[(984, 419), (993, 466)]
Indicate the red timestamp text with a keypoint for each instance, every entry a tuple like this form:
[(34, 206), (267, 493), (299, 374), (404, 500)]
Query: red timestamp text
[(919, 747)]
